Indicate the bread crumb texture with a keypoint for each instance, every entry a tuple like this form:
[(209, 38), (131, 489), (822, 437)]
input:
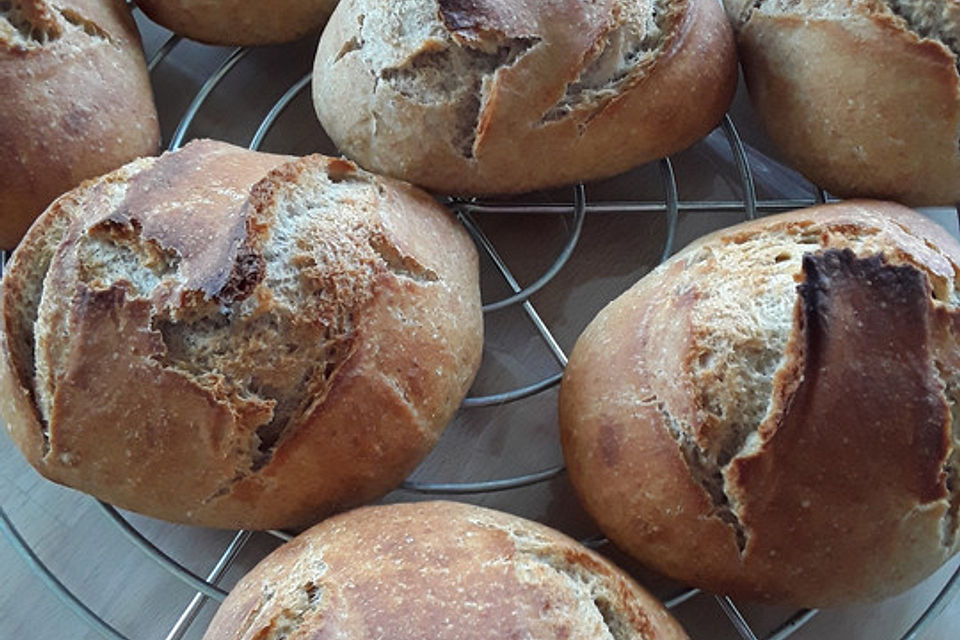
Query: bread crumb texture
[(209, 303), (437, 570), (936, 20), (797, 379), (809, 69), (437, 91)]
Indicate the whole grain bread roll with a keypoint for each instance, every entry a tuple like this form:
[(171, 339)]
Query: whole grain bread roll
[(861, 96), (235, 339), (240, 22), (505, 96), (772, 413), (438, 570), (76, 102)]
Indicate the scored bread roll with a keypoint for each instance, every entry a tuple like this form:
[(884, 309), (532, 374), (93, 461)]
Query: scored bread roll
[(76, 102), (438, 570), (240, 22), (505, 96), (861, 96), (236, 339), (772, 413)]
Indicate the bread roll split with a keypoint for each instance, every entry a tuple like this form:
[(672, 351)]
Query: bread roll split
[(236, 339), (773, 413), (861, 96), (76, 103), (438, 570), (506, 96)]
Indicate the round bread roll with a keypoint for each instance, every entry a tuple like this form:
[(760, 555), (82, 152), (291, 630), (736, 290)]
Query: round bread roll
[(235, 339), (438, 570), (853, 125), (76, 102), (772, 413), (505, 96), (240, 22)]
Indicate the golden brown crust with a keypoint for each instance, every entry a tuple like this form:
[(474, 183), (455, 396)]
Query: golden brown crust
[(769, 413), (239, 22), (449, 104), (438, 570), (853, 130), (317, 327), (79, 104)]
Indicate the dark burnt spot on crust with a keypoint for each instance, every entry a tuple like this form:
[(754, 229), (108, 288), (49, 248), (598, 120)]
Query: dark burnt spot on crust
[(466, 15), (834, 273), (249, 269), (863, 310)]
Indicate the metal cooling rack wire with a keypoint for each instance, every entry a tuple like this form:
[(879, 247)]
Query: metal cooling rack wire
[(950, 590), (749, 189), (189, 614), (152, 551), (277, 109), (176, 140), (465, 214), (51, 581), (163, 52)]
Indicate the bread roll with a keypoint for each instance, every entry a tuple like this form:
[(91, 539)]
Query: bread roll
[(861, 96), (240, 22), (76, 102), (438, 570), (504, 96), (772, 413), (235, 339)]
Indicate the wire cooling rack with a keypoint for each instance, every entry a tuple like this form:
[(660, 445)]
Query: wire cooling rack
[(574, 209)]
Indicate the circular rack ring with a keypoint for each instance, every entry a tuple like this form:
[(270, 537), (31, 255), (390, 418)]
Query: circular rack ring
[(521, 295), (161, 558), (487, 486), (742, 162), (176, 141), (67, 597), (282, 103)]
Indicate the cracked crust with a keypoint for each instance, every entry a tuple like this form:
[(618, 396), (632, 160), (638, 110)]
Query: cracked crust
[(443, 93), (317, 327), (240, 22), (769, 413), (437, 570), (77, 102), (809, 68)]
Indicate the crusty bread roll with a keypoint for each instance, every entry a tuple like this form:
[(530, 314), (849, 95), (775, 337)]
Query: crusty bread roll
[(861, 96), (773, 412), (76, 102), (504, 96), (235, 339), (438, 570), (240, 22)]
